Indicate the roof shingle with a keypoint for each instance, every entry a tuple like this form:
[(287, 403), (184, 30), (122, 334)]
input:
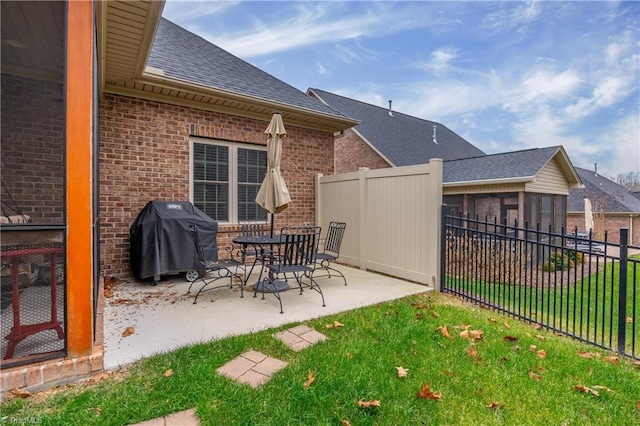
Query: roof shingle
[(402, 139), (598, 189), (183, 55)]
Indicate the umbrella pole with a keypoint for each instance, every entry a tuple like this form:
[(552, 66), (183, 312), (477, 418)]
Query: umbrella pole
[(272, 216)]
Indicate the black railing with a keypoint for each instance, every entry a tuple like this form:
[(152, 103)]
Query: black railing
[(567, 282)]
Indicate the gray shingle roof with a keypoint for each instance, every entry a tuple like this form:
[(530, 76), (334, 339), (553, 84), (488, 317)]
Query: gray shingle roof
[(507, 165), (186, 56), (597, 188), (403, 139)]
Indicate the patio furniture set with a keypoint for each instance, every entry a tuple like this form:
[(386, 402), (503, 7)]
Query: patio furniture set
[(295, 255)]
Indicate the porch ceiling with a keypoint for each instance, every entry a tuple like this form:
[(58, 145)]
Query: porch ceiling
[(126, 30), (32, 39)]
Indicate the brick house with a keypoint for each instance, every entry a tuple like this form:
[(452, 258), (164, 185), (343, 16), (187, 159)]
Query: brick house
[(529, 185), (613, 207), (106, 106)]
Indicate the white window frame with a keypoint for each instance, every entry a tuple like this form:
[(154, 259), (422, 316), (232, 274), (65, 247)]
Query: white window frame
[(233, 173)]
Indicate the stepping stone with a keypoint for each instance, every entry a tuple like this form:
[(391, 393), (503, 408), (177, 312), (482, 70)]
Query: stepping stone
[(300, 337), (252, 367), (181, 418)]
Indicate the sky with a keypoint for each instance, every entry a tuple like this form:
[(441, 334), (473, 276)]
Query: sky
[(504, 75)]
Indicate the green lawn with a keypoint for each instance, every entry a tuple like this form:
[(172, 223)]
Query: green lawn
[(587, 308), (499, 379)]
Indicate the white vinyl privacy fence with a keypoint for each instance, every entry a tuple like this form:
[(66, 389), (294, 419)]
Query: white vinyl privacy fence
[(393, 219)]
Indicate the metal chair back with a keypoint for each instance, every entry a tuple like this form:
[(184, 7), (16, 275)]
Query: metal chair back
[(253, 229), (334, 238), (298, 245)]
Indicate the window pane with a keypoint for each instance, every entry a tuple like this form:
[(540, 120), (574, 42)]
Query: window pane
[(211, 180), (252, 167)]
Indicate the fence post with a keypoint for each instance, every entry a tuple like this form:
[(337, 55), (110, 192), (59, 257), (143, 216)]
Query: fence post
[(443, 248), (622, 300)]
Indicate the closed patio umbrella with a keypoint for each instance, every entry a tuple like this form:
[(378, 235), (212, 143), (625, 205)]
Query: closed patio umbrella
[(588, 215), (273, 195)]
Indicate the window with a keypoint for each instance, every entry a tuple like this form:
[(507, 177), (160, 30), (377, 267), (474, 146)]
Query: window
[(226, 178)]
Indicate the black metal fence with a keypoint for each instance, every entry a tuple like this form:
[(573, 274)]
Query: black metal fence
[(566, 282)]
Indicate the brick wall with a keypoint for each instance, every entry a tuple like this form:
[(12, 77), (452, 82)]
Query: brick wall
[(144, 155), (32, 147), (612, 226), (352, 153)]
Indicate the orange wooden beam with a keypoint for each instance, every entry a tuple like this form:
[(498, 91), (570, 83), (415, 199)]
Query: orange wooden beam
[(80, 45)]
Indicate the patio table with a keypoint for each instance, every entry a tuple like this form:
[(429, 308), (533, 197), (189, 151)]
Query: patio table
[(259, 242)]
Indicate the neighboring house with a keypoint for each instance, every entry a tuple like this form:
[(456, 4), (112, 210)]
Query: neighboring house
[(387, 138), (529, 185), (613, 207), (106, 106)]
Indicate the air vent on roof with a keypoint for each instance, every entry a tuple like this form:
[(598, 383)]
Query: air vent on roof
[(390, 113), (435, 127)]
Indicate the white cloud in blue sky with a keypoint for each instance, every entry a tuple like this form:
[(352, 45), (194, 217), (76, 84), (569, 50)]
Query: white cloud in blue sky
[(504, 75)]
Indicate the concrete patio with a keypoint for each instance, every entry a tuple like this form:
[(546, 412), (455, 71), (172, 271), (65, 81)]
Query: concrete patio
[(163, 317)]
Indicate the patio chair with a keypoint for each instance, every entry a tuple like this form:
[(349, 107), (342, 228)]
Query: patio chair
[(295, 256), (258, 253), (331, 249), (213, 270)]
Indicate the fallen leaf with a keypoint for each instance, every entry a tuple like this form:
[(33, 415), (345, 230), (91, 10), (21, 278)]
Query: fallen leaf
[(435, 314), (335, 324), (508, 338), (168, 373), (419, 315), (604, 388), (636, 363), (346, 422), (445, 331), (492, 320), (506, 325), (629, 320), (425, 393), (495, 405), (517, 348), (542, 354), (537, 326), (472, 352), (539, 337), (367, 404), (19, 393), (638, 405), (402, 372), (128, 332), (99, 377), (471, 334), (533, 348), (585, 389), (310, 380), (541, 369), (535, 376), (612, 359)]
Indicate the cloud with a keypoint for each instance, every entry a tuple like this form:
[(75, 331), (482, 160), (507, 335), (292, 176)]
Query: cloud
[(441, 58), (307, 24), (621, 138), (542, 85), (179, 10), (614, 78)]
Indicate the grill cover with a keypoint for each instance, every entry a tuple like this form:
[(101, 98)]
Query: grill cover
[(162, 240)]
